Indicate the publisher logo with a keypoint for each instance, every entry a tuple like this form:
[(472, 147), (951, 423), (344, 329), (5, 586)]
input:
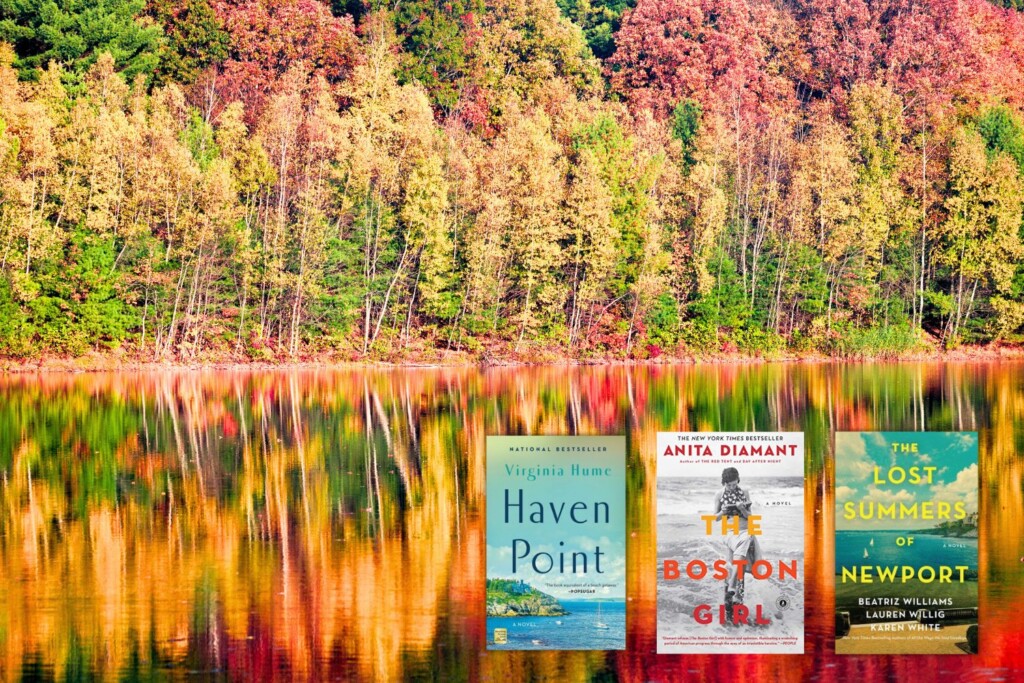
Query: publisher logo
[(782, 602), (501, 636)]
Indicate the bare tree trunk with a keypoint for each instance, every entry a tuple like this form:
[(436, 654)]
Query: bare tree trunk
[(387, 295), (632, 323), (919, 320), (406, 333), (526, 311)]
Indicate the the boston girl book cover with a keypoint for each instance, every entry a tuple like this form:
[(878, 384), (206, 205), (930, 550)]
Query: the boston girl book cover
[(730, 511)]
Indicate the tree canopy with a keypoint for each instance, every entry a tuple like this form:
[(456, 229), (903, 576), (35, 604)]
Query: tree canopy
[(74, 33), (256, 179)]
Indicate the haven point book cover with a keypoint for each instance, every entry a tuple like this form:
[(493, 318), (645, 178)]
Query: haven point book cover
[(906, 572), (730, 542), (556, 542)]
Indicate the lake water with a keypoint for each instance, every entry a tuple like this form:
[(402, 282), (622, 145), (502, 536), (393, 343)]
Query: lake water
[(319, 525)]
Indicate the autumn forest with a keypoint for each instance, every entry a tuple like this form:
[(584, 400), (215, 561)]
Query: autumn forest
[(187, 180)]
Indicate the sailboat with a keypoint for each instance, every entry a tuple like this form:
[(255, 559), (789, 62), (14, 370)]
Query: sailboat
[(865, 552), (599, 623), (871, 543)]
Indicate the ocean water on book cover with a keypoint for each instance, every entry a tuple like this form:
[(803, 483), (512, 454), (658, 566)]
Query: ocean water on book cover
[(730, 542)]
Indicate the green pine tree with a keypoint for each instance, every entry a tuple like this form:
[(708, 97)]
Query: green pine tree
[(75, 32)]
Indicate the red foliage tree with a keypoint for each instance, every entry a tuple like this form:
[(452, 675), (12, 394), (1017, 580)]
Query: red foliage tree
[(934, 53), (267, 37), (711, 51), (841, 42), (942, 52)]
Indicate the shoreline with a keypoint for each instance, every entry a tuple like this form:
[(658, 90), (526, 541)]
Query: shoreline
[(97, 362)]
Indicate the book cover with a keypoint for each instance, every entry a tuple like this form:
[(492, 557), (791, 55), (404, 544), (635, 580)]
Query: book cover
[(556, 542), (906, 571), (730, 511)]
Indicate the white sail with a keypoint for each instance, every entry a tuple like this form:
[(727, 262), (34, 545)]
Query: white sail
[(599, 623)]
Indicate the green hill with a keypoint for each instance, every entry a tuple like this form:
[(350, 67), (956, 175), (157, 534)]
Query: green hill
[(507, 598)]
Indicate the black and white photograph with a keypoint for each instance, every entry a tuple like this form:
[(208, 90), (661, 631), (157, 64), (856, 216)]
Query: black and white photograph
[(730, 542)]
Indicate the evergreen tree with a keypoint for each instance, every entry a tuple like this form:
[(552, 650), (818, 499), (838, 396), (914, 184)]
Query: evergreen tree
[(195, 39), (75, 33), (599, 20), (437, 39)]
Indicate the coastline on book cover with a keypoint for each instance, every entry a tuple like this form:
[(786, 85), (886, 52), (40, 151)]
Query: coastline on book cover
[(906, 572), (556, 543), (730, 542)]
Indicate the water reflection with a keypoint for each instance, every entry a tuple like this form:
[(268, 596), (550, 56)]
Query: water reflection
[(329, 524)]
